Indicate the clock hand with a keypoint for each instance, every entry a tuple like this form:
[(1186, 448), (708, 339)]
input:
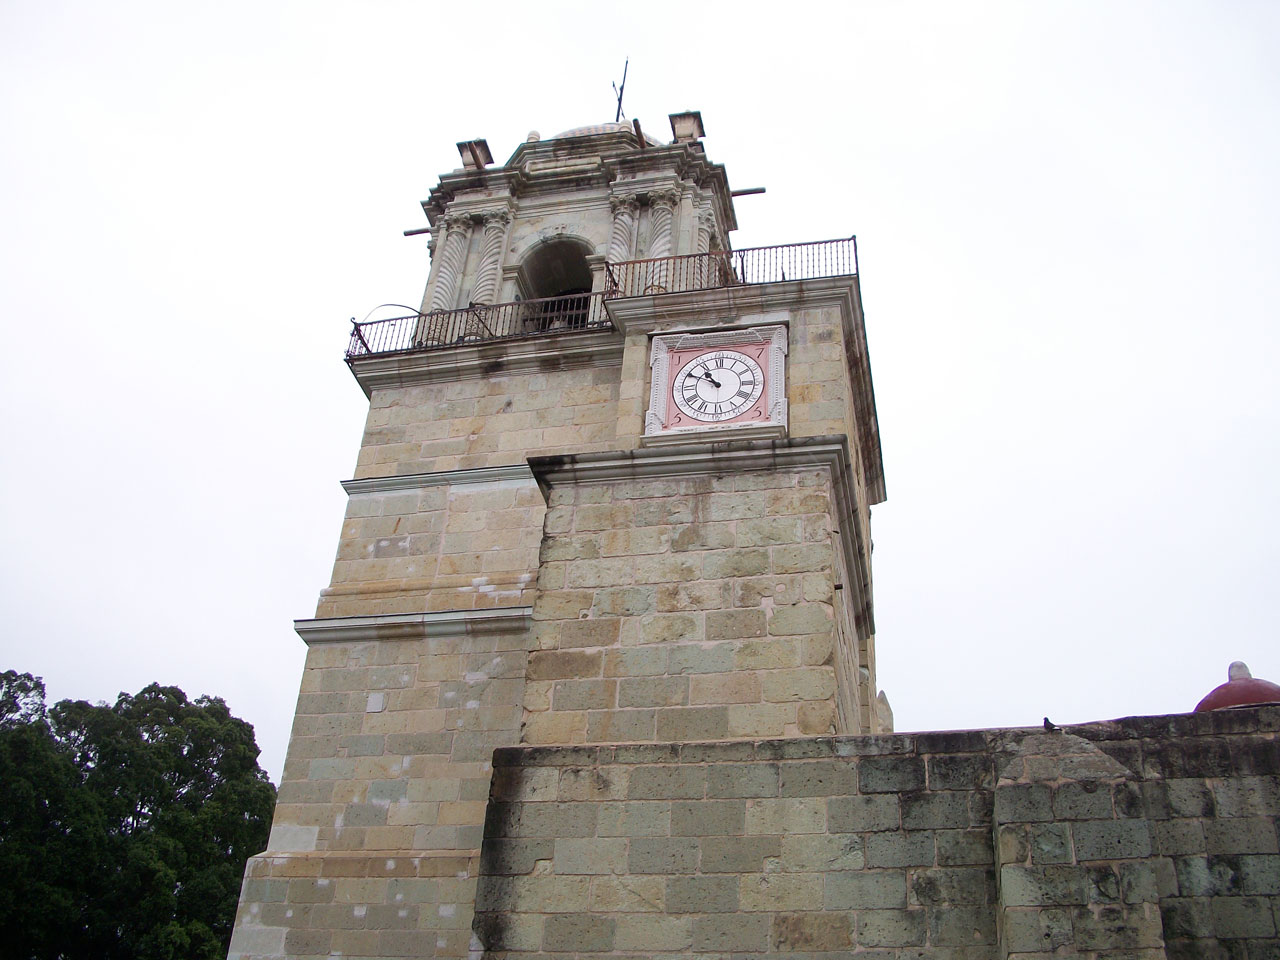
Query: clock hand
[(707, 374)]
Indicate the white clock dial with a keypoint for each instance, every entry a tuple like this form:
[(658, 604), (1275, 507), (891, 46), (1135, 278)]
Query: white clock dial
[(718, 385)]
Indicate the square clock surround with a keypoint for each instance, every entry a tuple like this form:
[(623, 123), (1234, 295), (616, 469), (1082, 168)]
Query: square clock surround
[(727, 383)]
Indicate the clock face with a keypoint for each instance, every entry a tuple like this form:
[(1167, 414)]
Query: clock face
[(717, 386)]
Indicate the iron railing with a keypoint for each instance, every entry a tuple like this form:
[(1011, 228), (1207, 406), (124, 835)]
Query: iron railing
[(706, 271), (477, 323)]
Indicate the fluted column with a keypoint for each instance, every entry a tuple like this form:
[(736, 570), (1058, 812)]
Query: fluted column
[(661, 213), (490, 269), (452, 259)]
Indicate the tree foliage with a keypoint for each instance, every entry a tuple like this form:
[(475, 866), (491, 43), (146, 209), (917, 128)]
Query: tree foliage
[(124, 829)]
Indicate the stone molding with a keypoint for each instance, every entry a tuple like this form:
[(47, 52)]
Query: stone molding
[(414, 626), (417, 481), (471, 362)]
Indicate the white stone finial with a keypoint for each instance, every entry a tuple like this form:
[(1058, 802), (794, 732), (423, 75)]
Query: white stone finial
[(1239, 670), (533, 137)]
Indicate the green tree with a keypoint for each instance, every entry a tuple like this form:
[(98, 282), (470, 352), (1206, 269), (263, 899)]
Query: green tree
[(124, 829)]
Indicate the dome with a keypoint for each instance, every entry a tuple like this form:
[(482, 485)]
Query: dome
[(597, 128), (1242, 689)]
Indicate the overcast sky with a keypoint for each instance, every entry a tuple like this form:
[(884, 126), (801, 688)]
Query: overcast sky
[(1067, 223)]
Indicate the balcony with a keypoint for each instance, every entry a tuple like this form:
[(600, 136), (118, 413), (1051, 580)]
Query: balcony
[(730, 268), (554, 316)]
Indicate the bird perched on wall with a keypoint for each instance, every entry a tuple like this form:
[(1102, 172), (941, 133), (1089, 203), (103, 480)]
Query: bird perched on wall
[(1050, 726)]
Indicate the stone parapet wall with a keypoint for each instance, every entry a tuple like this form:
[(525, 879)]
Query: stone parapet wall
[(1143, 838)]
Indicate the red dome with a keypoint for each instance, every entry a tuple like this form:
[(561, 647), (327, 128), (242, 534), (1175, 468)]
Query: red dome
[(1242, 689)]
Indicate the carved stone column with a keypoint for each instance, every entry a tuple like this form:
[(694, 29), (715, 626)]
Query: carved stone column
[(622, 239), (704, 275), (452, 259), (661, 212), (490, 269)]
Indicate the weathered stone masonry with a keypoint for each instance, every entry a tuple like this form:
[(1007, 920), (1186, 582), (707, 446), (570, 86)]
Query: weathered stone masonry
[(1143, 838)]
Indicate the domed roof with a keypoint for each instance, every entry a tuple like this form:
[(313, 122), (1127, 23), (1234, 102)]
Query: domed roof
[(598, 128), (1242, 689)]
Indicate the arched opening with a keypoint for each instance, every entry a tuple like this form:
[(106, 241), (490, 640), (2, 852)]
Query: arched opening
[(557, 269)]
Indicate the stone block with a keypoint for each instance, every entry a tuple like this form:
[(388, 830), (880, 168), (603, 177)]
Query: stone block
[(760, 719), (1179, 837), (800, 619), (1260, 875), (801, 558), (578, 932), (732, 933), (644, 934), (779, 891), (821, 853), (589, 633), (1111, 839), (628, 894), (866, 890), (816, 718), (662, 855), (707, 818), (809, 933), (668, 783), (890, 774), (1023, 803), (894, 848), (564, 664), (935, 810), (786, 816), (804, 683), (864, 813), (701, 536), (724, 688), (653, 692), (758, 779), (823, 778), (1050, 842), (505, 857), (702, 894), (635, 662), (948, 886), (891, 928), (962, 926), (1086, 800), (961, 847), (679, 724), (635, 819), (1042, 886), (733, 854), (584, 694), (1115, 928), (590, 855), (1241, 835), (614, 726), (508, 931), (626, 601), (735, 624), (1207, 876), (690, 658)]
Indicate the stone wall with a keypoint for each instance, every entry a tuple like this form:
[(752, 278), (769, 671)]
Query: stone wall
[(685, 608), (1143, 838)]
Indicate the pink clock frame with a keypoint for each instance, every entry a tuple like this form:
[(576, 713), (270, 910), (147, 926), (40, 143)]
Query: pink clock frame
[(767, 416)]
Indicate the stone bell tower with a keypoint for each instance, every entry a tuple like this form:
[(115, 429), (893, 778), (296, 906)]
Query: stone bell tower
[(614, 488)]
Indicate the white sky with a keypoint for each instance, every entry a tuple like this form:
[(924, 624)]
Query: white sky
[(1067, 222)]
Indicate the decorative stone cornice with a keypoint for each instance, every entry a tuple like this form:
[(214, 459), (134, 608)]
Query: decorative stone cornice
[(470, 362), (415, 626), (417, 481)]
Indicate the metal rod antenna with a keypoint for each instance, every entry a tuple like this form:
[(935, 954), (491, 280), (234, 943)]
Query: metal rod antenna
[(620, 90)]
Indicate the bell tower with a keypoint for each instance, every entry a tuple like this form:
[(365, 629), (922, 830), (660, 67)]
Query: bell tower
[(614, 488)]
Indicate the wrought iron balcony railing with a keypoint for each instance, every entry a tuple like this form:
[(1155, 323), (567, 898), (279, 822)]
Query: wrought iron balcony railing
[(479, 323), (728, 268), (632, 278)]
